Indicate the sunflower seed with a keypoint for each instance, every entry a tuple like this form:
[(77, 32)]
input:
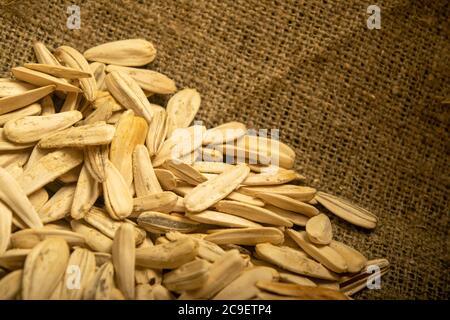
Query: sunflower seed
[(148, 80), (237, 154), (319, 229), (130, 132), (104, 97), (19, 157), (131, 52), (10, 285), (5, 227), (38, 198), (355, 260), (41, 79), (295, 218), (145, 180), (157, 131), (44, 268), (281, 176), (326, 255), (182, 108), (14, 197), (86, 193), (58, 206), (253, 213), (34, 128), (95, 134), (29, 238), (102, 113), (182, 142), (224, 133), (185, 172), (160, 222), (290, 204), (14, 259), (8, 145), (160, 202), (43, 55), (11, 103), (208, 154), (247, 236), (128, 93), (273, 148), (100, 220), (189, 276), (347, 211), (94, 239), (222, 219), (355, 287), (95, 158), (48, 168), (10, 87), (14, 170), (98, 70), (237, 196), (123, 252), (296, 279), (81, 265), (167, 256), (293, 260), (101, 286), (58, 71), (211, 167), (299, 193), (209, 192), (73, 59), (71, 175), (222, 273), (31, 110), (35, 155), (118, 200), (244, 286), (166, 178), (355, 283)]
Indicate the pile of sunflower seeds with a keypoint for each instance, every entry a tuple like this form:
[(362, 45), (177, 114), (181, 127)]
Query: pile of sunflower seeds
[(104, 195)]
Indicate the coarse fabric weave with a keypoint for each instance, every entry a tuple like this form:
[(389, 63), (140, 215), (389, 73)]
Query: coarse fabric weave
[(362, 108)]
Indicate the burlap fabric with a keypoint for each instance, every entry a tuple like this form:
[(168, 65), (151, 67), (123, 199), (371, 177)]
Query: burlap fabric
[(361, 107)]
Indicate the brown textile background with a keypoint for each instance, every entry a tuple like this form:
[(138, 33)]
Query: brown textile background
[(362, 108)]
